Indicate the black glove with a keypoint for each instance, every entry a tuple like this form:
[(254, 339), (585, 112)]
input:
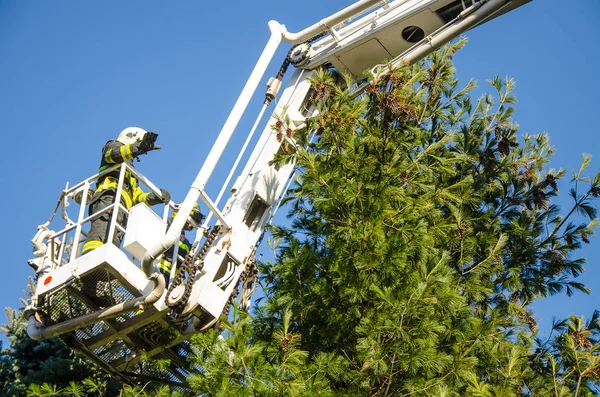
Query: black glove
[(197, 216), (154, 198), (166, 197), (147, 143)]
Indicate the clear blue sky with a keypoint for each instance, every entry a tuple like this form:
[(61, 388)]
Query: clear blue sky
[(74, 73)]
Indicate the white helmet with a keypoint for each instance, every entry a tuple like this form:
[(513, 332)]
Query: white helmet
[(131, 135)]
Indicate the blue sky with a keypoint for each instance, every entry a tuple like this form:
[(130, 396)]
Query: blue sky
[(73, 74)]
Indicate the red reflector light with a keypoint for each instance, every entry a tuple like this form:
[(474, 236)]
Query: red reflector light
[(47, 280)]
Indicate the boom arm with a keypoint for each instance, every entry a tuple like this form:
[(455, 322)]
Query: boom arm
[(362, 44)]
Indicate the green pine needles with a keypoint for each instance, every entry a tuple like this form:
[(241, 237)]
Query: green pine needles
[(422, 230)]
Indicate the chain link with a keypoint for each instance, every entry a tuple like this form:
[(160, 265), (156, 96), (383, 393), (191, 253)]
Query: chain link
[(191, 264), (287, 60), (249, 279)]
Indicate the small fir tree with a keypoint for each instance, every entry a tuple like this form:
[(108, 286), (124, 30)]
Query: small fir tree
[(30, 367)]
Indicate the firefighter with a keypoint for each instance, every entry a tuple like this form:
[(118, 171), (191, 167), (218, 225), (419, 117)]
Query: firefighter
[(131, 143), (184, 244)]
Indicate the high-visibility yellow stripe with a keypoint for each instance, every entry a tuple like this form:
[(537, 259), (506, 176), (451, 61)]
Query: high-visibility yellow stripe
[(122, 152), (108, 183), (107, 156), (165, 265), (125, 152), (184, 247), (91, 245), (112, 183), (127, 199)]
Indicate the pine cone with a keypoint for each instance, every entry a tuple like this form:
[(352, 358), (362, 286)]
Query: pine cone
[(584, 237), (284, 344), (531, 323), (581, 341), (551, 180), (322, 91), (503, 147)]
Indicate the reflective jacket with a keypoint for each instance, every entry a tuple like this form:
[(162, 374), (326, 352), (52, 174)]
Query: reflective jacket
[(115, 152), (167, 259)]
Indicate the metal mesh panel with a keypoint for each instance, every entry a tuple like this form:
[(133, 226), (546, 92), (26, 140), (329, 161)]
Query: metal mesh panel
[(95, 289), (74, 300), (102, 283), (112, 351), (124, 317), (173, 372), (63, 306), (90, 331), (153, 370), (178, 363), (118, 292)]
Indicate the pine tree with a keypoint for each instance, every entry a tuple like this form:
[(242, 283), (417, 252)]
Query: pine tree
[(422, 230), (28, 367)]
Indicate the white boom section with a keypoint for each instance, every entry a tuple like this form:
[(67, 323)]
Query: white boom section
[(395, 28), (216, 151), (138, 322), (253, 196)]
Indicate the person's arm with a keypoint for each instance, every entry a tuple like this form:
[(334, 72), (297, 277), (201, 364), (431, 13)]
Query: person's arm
[(115, 152), (150, 198)]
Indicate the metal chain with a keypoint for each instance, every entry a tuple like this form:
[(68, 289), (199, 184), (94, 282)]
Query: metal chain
[(199, 264), (249, 278), (191, 264), (180, 275), (287, 61)]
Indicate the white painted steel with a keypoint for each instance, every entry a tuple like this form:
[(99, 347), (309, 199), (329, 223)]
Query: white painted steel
[(238, 159), (329, 22), (295, 80), (262, 180), (471, 17), (217, 150), (144, 228), (376, 36)]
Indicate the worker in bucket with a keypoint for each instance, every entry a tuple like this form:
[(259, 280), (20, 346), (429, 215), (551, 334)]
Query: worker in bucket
[(131, 143), (184, 244)]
